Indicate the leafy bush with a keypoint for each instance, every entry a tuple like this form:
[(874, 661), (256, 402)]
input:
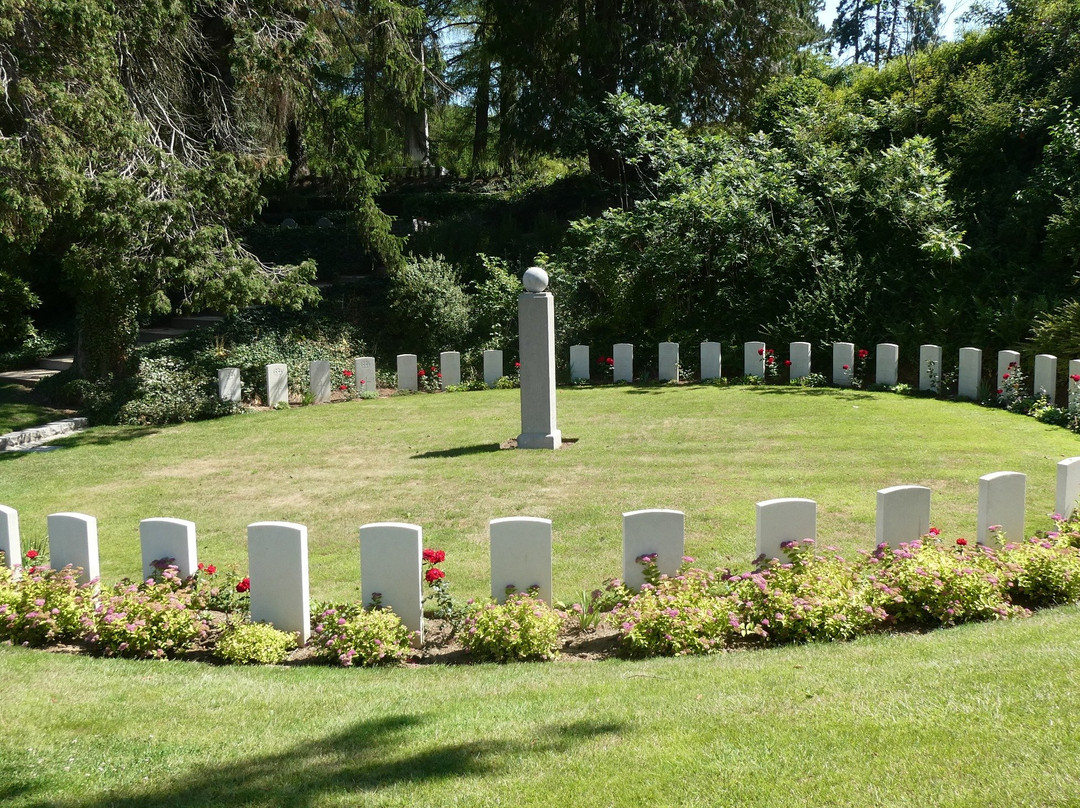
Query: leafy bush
[(430, 306), (675, 616), (926, 583), (155, 618), (257, 643), (44, 606), (350, 635), (169, 391), (1044, 572), (522, 628)]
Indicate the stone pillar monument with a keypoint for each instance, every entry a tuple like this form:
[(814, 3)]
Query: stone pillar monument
[(536, 335)]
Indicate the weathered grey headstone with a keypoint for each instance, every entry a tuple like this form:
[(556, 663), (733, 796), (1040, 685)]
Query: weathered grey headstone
[(1007, 363), (669, 361), (799, 354), (783, 520), (10, 545), (1068, 486), (168, 538), (1001, 505), (390, 565), (278, 569), (903, 514), (289, 223), (710, 361), (1074, 383), (1046, 377), (73, 540), (406, 372), (277, 384), (754, 359), (652, 531), (579, 363), (929, 367), (493, 367), (364, 370), (324, 223), (229, 384), (450, 368), (886, 364), (319, 380), (843, 363), (536, 329), (970, 373), (623, 354), (520, 556)]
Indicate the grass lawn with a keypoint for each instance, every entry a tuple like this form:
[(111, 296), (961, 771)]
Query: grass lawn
[(19, 408), (435, 461), (982, 715)]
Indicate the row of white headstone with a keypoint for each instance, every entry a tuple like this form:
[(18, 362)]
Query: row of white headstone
[(756, 358), (391, 553)]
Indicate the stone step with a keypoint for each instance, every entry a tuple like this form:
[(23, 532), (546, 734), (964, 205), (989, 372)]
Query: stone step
[(190, 322), (27, 438), (28, 377), (56, 362)]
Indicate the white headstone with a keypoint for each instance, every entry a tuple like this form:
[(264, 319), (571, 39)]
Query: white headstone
[(623, 354), (364, 370), (903, 514), (319, 379), (970, 373), (536, 339), (929, 367), (579, 363), (168, 538), (1006, 364), (1068, 486), (799, 353), (1074, 383), (784, 520), (647, 532), (520, 556), (886, 362), (669, 361), (754, 359), (710, 361), (10, 545), (493, 367), (843, 363), (1046, 377), (406, 372), (450, 368), (73, 540), (1001, 505), (390, 565), (278, 569), (229, 385), (277, 384)]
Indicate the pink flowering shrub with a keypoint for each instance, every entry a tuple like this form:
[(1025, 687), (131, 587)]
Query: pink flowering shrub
[(44, 606), (932, 584), (1043, 571), (675, 616), (152, 619), (349, 635), (522, 628)]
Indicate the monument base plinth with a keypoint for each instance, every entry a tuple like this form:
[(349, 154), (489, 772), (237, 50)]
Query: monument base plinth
[(539, 440)]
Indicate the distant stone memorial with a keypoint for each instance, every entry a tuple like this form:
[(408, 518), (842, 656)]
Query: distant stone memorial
[(929, 367), (450, 369), (277, 384), (493, 367), (799, 354), (783, 520), (406, 372), (1046, 377), (9, 537), (1007, 362), (710, 361), (1001, 508), (364, 370), (623, 354), (536, 330), (669, 361), (278, 572), (654, 532), (168, 538), (390, 567), (903, 514), (1074, 382), (230, 387), (754, 359), (843, 363), (970, 373), (1068, 486), (579, 363), (319, 380), (886, 362), (73, 540), (520, 556)]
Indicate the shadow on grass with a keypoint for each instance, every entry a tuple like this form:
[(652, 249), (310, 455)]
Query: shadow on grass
[(364, 758), (816, 392), (96, 438), (458, 451)]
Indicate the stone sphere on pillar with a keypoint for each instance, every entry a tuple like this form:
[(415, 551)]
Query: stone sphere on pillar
[(535, 280)]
